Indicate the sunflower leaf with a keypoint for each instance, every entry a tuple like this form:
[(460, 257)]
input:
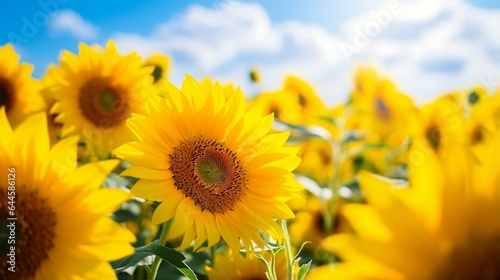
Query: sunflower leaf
[(129, 261), (174, 258), (303, 269)]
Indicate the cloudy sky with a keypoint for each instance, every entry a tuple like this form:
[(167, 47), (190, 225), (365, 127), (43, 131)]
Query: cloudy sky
[(427, 47)]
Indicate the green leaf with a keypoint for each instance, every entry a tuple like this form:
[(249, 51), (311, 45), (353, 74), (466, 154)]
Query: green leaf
[(169, 255), (129, 261), (303, 269)]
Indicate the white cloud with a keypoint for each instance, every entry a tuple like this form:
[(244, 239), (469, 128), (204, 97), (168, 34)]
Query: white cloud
[(428, 48), (71, 22)]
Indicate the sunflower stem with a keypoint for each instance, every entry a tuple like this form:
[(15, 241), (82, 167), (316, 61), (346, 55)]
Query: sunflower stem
[(288, 250), (161, 241)]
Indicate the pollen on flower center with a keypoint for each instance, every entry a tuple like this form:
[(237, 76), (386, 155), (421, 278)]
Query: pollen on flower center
[(208, 172), (34, 232), (103, 104), (6, 94)]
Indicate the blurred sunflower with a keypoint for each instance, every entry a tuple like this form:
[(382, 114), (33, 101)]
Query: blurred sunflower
[(309, 224), (235, 266), (365, 81), (63, 230), (46, 89), (18, 90), (311, 106), (384, 112), (317, 160), (159, 65), (283, 106), (96, 92), (441, 124), (213, 166), (445, 226)]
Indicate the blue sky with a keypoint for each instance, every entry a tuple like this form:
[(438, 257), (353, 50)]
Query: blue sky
[(427, 48)]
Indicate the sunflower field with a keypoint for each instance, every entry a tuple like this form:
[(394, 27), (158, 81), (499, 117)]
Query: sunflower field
[(110, 171)]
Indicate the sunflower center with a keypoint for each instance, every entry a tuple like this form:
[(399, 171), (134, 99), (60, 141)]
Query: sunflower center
[(274, 109), (6, 94), (157, 73), (32, 234), (103, 104), (473, 98), (302, 100), (382, 110), (433, 135), (208, 172), (478, 259)]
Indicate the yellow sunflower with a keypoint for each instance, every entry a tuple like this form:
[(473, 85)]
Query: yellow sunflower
[(18, 90), (305, 96), (48, 82), (213, 166), (159, 65), (384, 112), (317, 160), (309, 224), (236, 266), (96, 92), (444, 226), (441, 124), (283, 106), (56, 214)]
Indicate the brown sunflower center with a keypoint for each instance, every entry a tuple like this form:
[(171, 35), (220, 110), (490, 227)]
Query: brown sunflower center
[(478, 260), (157, 73), (302, 100), (31, 235), (433, 136), (274, 109), (103, 104), (6, 94), (381, 109), (208, 172)]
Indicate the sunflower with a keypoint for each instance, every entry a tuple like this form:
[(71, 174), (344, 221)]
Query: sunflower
[(18, 90), (59, 212), (444, 226), (47, 83), (159, 65), (317, 160), (309, 224), (236, 266), (214, 167), (96, 92), (441, 124), (283, 106), (384, 112), (305, 96)]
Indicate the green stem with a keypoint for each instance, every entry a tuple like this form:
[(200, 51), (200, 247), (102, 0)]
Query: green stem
[(288, 250), (157, 261)]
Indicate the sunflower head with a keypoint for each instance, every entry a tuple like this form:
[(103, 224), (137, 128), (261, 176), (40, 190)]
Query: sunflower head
[(441, 125), (283, 106), (213, 166), (95, 92), (159, 64), (19, 92), (305, 96), (61, 213)]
